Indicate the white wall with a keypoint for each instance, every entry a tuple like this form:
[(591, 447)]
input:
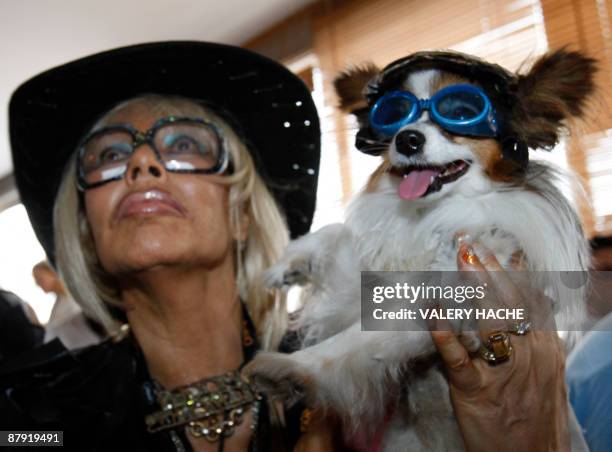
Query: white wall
[(38, 34)]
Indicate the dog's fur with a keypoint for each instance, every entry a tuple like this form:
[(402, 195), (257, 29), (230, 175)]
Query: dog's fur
[(360, 374)]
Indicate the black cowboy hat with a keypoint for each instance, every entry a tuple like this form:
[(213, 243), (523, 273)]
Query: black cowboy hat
[(269, 107)]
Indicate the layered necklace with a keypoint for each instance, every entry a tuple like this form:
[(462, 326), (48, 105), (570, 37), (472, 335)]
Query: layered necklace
[(214, 406)]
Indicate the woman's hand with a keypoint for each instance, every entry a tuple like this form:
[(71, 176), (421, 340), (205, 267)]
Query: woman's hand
[(320, 434), (517, 405)]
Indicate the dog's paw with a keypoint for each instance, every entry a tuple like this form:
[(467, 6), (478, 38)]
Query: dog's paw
[(289, 272), (311, 258), (278, 376)]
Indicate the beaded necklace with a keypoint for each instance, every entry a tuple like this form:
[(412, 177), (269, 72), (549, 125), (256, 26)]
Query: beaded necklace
[(212, 407)]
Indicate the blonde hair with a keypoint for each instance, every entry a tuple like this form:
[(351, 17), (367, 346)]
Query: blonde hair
[(267, 235)]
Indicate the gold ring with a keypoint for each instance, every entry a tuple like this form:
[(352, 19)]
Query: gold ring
[(497, 349)]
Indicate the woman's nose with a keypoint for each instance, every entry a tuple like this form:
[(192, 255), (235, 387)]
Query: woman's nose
[(144, 164)]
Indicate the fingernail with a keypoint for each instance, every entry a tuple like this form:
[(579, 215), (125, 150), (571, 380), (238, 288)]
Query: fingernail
[(468, 256), (462, 238), (482, 252)]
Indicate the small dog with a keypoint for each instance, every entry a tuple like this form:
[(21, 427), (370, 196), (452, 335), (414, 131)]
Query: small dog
[(453, 132)]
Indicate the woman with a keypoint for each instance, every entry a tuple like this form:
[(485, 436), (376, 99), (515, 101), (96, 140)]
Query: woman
[(162, 223)]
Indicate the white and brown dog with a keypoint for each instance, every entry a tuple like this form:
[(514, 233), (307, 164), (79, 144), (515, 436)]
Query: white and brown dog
[(439, 174)]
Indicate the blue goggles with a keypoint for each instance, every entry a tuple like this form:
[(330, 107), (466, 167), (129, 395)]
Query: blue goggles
[(459, 109)]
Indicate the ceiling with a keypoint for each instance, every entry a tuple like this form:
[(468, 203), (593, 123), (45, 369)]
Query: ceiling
[(38, 34)]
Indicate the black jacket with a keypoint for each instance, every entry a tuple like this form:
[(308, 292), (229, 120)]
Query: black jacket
[(17, 332)]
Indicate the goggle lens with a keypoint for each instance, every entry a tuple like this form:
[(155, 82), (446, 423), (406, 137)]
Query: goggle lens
[(460, 106), (393, 109)]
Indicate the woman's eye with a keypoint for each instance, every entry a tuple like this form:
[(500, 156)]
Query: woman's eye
[(111, 154), (186, 145)]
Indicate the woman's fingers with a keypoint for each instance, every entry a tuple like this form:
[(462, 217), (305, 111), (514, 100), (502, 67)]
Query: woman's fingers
[(504, 287), (516, 291), (461, 370), (518, 261), (468, 261), (319, 435), (473, 252)]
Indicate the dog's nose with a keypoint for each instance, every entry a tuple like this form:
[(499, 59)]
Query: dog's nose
[(409, 142)]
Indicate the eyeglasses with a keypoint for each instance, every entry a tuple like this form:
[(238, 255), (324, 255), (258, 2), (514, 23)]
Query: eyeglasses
[(182, 145), (460, 109)]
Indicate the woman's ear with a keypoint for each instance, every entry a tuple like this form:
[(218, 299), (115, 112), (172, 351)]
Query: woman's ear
[(241, 223), (554, 90), (349, 86)]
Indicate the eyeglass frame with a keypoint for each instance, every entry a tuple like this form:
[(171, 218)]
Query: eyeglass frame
[(139, 138)]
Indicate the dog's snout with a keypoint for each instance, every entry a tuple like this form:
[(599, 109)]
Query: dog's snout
[(409, 142)]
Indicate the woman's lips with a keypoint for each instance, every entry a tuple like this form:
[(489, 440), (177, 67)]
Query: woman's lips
[(149, 202)]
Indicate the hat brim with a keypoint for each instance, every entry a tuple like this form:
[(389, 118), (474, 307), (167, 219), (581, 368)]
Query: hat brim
[(271, 106)]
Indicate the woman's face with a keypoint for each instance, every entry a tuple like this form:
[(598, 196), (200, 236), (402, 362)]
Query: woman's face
[(154, 218)]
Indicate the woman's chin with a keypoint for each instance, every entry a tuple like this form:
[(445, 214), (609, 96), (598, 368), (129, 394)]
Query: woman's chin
[(155, 256), (140, 243)]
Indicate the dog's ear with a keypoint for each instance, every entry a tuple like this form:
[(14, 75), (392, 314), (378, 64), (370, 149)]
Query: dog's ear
[(350, 84), (554, 90)]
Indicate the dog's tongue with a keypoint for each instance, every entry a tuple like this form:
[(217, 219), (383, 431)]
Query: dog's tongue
[(415, 184)]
